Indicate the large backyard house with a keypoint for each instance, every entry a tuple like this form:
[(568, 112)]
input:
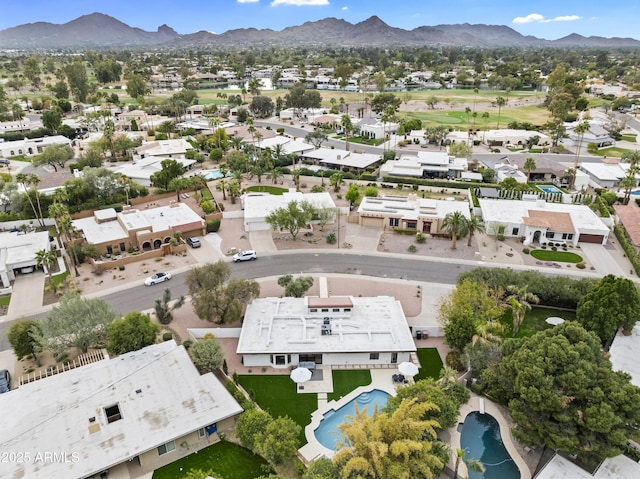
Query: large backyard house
[(337, 330)]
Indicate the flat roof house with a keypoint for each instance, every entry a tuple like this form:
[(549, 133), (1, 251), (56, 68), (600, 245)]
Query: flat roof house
[(338, 330), (537, 221), (138, 411), (18, 250), (408, 212), (140, 170), (425, 164), (31, 147)]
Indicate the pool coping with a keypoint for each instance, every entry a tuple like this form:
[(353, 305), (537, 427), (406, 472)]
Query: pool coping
[(380, 379), (481, 404)]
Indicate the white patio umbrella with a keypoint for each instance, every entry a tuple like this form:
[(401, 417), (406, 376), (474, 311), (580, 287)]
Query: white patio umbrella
[(408, 369), (554, 320), (300, 375)]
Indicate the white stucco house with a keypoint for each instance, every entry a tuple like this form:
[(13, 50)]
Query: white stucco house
[(606, 174), (425, 164), (141, 169), (18, 252), (540, 222), (257, 206), (175, 148), (624, 354), (31, 147), (338, 330), (136, 412), (618, 467)]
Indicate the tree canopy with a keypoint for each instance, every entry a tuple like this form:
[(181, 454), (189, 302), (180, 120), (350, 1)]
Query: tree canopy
[(131, 332), (295, 216), (207, 354), (562, 392), (295, 287)]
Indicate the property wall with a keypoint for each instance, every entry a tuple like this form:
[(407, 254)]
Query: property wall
[(102, 266), (361, 358)]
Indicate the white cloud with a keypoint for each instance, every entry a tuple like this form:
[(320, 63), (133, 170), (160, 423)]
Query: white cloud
[(345, 8), (248, 1), (299, 3), (537, 18)]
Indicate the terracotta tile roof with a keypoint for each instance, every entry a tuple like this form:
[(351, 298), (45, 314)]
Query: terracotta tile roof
[(553, 221), (629, 216)]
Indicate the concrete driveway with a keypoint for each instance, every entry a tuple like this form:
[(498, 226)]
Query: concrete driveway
[(602, 260), (28, 290)]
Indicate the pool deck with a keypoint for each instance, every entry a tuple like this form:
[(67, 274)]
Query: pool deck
[(380, 379), (480, 404)]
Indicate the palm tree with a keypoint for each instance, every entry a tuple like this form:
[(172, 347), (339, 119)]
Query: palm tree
[(454, 224), (221, 185), (485, 117), (336, 180), (472, 464), (236, 142), (486, 332), (520, 302), (500, 101), (580, 129), (64, 224), (28, 180), (529, 166), (347, 126), (473, 225), (47, 258), (275, 174), (633, 157)]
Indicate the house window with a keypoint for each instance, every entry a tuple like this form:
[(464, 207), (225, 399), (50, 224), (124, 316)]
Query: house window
[(336, 310), (347, 310), (515, 231), (570, 236), (112, 413), (280, 360), (550, 234), (165, 448), (374, 356), (313, 310), (394, 221), (412, 225), (202, 433), (325, 310), (564, 235)]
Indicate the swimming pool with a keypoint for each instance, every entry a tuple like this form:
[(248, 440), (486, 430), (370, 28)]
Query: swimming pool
[(212, 175), (480, 438), (549, 189), (328, 434)]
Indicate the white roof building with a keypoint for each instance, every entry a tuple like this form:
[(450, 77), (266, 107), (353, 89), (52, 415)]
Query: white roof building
[(135, 407), (539, 221), (31, 147), (257, 206), (508, 170), (425, 164), (624, 354), (619, 467), (175, 148), (379, 129), (509, 136), (280, 332), (140, 170), (18, 250), (606, 174), (289, 145)]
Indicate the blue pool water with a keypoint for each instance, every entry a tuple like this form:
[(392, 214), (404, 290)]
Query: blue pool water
[(549, 189), (480, 438), (327, 432), (213, 175)]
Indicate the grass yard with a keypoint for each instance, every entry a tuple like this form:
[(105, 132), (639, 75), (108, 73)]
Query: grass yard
[(5, 300), (559, 256), (278, 395), (611, 152), (273, 190), (346, 381), (223, 459), (431, 363), (461, 121), (629, 137), (534, 321)]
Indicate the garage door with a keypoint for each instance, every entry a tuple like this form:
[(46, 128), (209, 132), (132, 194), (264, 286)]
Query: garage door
[(377, 222), (597, 239)]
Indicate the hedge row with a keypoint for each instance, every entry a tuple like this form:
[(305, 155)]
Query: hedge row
[(627, 246)]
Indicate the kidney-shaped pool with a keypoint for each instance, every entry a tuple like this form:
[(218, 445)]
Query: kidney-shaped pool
[(480, 438)]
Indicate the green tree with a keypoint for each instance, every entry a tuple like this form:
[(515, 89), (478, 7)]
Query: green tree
[(293, 217), (47, 259), (472, 464), (500, 102), (520, 302), (131, 332), (52, 119), (460, 149), (563, 394), (613, 303), (170, 169), (529, 166), (76, 74), (76, 322), (316, 137), (164, 309), (336, 180), (399, 444), (213, 298), (321, 468), (347, 126), (207, 354), (454, 224), (55, 156), (21, 337), (473, 225), (295, 287), (353, 194), (279, 440), (381, 101), (250, 425), (629, 181)]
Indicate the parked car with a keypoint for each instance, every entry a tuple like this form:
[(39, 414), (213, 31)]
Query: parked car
[(248, 255), (4, 161), (5, 381), (157, 278), (193, 242)]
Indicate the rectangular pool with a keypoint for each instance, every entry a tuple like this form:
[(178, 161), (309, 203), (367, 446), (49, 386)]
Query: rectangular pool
[(548, 189)]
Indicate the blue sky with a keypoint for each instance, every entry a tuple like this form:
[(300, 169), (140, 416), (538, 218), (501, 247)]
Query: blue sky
[(550, 19)]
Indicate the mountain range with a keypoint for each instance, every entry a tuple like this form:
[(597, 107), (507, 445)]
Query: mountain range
[(97, 30)]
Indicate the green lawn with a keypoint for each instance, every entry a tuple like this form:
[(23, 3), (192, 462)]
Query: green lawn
[(629, 137), (431, 363), (559, 256), (277, 394), (461, 121), (223, 459), (346, 381), (5, 300), (273, 190), (612, 152), (534, 321)]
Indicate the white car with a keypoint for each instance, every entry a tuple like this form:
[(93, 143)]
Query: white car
[(157, 278), (248, 255)]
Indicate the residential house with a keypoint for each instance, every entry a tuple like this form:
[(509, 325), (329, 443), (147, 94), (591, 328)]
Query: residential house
[(132, 414), (607, 173), (336, 330), (31, 147), (425, 164), (379, 129), (290, 146), (140, 170), (540, 222), (624, 354), (25, 124), (618, 467), (18, 253), (257, 206), (596, 134), (145, 229), (513, 137), (508, 170), (175, 148), (408, 212)]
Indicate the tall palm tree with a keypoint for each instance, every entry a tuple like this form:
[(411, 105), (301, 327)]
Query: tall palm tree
[(454, 224), (529, 166), (27, 181), (347, 126), (473, 226), (580, 129), (64, 226), (221, 185), (47, 259), (633, 157), (472, 464), (485, 118), (520, 302), (500, 102)]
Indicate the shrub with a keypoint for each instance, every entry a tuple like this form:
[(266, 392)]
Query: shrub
[(121, 267), (212, 225), (526, 250), (501, 237), (421, 238), (581, 266), (454, 360), (208, 206), (187, 344), (554, 248), (331, 238), (412, 248), (167, 336)]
